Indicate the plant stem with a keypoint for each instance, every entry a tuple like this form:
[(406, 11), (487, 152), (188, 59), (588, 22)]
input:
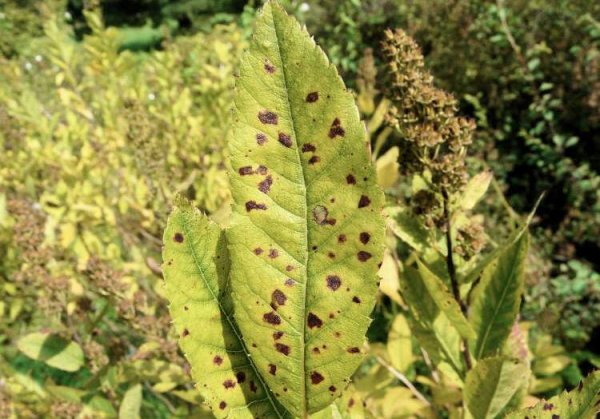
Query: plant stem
[(452, 274), (404, 380)]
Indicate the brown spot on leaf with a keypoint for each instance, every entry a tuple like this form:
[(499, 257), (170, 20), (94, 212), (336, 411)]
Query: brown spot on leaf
[(284, 349), (185, 333), (289, 268), (342, 238), (262, 170), (278, 297), (363, 201), (338, 335), (261, 138), (273, 253), (222, 405), (269, 68), (331, 316), (332, 389), (356, 300), (272, 318), (252, 205), (178, 237), (331, 255), (316, 377), (336, 129), (312, 97), (277, 335), (258, 251), (314, 160), (363, 256), (289, 282), (350, 403), (245, 171), (308, 148), (314, 321), (285, 139), (265, 185), (365, 237), (228, 384), (186, 308), (268, 117), (333, 282), (353, 350), (316, 350), (272, 369), (241, 377), (217, 360), (253, 387), (350, 180), (548, 406)]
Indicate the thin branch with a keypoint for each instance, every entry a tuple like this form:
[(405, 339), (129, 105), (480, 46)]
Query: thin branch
[(404, 380)]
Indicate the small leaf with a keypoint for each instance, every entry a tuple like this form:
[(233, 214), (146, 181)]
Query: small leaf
[(429, 324), (390, 284), (445, 301), (131, 403), (52, 350), (475, 190), (387, 168), (408, 228), (491, 384), (497, 297), (306, 234), (195, 269), (583, 402), (399, 344)]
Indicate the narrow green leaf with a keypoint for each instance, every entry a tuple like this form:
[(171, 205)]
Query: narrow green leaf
[(52, 350), (583, 402), (445, 301), (131, 403), (497, 297), (399, 344), (196, 268), (306, 235), (491, 384), (433, 330)]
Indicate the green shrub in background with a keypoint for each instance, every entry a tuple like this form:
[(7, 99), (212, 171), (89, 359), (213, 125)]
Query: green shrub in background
[(94, 145)]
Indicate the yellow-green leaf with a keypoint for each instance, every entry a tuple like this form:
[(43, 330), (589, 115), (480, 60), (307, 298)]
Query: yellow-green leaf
[(306, 235), (491, 384), (52, 350), (583, 402), (131, 403), (475, 190), (399, 344), (195, 266), (497, 298)]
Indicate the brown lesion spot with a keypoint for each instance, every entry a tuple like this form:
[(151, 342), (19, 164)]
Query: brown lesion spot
[(313, 321), (253, 387), (277, 335), (364, 237), (314, 160), (342, 238), (228, 384), (245, 171), (316, 350), (350, 180), (289, 268), (261, 138), (363, 256), (353, 350), (336, 129), (273, 253), (258, 251), (331, 255), (312, 97), (320, 215), (272, 369), (268, 117), (240, 377), (332, 389), (364, 201), (333, 282), (284, 139), (316, 377), (269, 68), (253, 205), (185, 333), (282, 348), (278, 298), (217, 360), (178, 237), (272, 318), (265, 185), (222, 405), (289, 282), (308, 148), (356, 300)]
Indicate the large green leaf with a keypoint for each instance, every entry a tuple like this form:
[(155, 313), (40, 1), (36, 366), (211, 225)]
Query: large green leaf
[(306, 235), (497, 298), (52, 350), (491, 384), (195, 269), (581, 403), (430, 325)]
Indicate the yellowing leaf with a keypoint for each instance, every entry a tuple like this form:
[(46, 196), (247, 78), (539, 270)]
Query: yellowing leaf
[(399, 344), (387, 168), (52, 350), (475, 190), (306, 235), (131, 403)]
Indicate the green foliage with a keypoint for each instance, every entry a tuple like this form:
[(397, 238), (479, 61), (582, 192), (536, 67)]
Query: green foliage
[(52, 350)]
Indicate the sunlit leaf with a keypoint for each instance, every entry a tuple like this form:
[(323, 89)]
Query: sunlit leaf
[(52, 350)]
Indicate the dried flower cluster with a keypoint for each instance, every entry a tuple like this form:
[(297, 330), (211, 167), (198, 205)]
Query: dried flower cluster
[(433, 137)]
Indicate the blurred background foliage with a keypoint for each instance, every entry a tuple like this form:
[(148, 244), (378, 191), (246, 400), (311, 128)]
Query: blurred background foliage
[(109, 107)]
